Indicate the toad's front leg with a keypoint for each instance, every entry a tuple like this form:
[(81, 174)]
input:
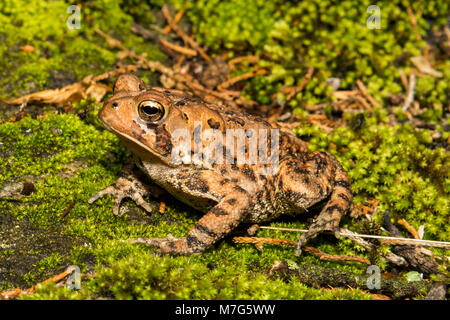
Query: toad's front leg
[(214, 225), (129, 185)]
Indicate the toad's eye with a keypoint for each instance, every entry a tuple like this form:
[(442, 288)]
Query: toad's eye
[(151, 111)]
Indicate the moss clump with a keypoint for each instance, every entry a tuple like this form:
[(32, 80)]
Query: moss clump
[(333, 38), (61, 55), (232, 23), (142, 276), (398, 165)]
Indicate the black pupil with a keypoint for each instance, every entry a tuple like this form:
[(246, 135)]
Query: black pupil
[(149, 110)]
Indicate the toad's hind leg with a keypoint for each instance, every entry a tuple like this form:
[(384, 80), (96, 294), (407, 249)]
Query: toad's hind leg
[(314, 179)]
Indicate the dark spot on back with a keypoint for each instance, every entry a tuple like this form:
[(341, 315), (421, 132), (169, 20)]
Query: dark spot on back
[(249, 173), (213, 124), (238, 121), (197, 184), (239, 189)]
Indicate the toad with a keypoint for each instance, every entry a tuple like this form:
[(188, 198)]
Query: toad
[(235, 167)]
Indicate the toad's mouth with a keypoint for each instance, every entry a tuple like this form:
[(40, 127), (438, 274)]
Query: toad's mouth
[(136, 147)]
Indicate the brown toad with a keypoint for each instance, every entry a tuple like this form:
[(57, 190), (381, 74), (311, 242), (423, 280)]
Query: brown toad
[(216, 160)]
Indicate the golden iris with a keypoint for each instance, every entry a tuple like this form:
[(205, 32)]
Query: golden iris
[(151, 111)]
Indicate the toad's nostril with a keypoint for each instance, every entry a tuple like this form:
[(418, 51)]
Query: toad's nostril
[(115, 105)]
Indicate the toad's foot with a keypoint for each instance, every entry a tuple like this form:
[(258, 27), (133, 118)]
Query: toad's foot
[(128, 185), (170, 244), (316, 228)]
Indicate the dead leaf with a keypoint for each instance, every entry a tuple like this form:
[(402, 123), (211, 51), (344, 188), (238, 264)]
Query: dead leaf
[(83, 89), (97, 91), (424, 66)]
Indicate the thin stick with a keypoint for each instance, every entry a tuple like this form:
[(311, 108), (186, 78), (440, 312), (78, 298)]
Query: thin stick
[(302, 84), (403, 79), (366, 95), (364, 103), (188, 40), (251, 59), (177, 19), (409, 227), (413, 20), (411, 88), (323, 256), (14, 293), (113, 73), (143, 32), (66, 212), (241, 77), (345, 94), (386, 239), (177, 48)]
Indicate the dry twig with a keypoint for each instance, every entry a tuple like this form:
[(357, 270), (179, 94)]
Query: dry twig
[(188, 40), (410, 95), (251, 59), (86, 88), (177, 19), (366, 95), (177, 48), (68, 209), (241, 77), (17, 292), (409, 227), (292, 91), (403, 79), (322, 255), (413, 20)]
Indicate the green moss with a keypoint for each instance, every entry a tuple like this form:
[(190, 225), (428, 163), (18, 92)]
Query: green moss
[(142, 276), (230, 23), (397, 165), (61, 55), (69, 159), (333, 38)]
